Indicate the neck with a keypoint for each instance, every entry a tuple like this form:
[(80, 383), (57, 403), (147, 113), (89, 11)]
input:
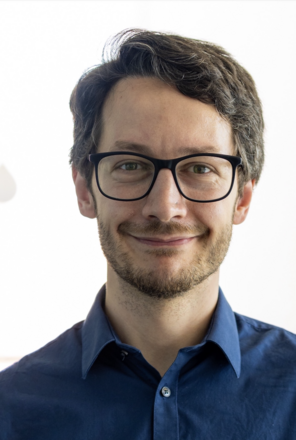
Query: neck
[(160, 328)]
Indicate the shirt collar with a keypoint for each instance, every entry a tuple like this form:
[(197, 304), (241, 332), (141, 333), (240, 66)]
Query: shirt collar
[(223, 332), (97, 333)]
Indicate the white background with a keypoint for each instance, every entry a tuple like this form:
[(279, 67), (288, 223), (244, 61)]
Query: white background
[(51, 264)]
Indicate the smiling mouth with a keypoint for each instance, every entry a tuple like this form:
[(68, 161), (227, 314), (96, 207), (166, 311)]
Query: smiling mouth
[(158, 241)]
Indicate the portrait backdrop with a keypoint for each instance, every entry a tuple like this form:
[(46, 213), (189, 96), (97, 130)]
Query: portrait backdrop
[(51, 262)]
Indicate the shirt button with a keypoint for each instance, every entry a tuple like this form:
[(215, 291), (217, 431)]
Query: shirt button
[(123, 354), (165, 391)]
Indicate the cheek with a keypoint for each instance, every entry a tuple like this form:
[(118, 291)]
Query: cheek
[(215, 216), (113, 212)]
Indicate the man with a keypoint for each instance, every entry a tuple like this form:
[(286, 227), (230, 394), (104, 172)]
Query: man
[(167, 149)]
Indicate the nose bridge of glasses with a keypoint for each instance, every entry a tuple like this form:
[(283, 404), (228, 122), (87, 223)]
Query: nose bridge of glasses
[(162, 164), (169, 164)]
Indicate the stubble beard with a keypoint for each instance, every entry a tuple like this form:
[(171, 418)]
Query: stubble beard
[(165, 285)]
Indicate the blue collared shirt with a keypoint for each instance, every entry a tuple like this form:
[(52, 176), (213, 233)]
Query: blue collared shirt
[(238, 384)]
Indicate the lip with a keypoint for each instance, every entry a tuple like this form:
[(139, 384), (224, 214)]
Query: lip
[(160, 241)]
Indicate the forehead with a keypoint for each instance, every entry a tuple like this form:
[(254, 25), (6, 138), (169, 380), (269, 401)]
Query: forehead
[(148, 112)]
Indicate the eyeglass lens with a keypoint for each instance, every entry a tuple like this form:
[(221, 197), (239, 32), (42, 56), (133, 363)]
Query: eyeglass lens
[(200, 178)]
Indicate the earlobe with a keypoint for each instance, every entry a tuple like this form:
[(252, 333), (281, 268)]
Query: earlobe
[(84, 197), (243, 203)]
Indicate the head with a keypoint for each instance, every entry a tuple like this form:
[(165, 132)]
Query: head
[(170, 94), (197, 69)]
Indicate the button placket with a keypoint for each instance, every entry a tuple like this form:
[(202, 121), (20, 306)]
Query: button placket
[(166, 424)]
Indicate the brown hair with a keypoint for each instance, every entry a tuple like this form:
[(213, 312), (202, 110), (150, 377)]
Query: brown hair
[(198, 69)]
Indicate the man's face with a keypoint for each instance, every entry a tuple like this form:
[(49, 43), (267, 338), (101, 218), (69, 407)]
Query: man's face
[(164, 244)]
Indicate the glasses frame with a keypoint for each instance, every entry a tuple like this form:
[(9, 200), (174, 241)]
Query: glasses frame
[(170, 164)]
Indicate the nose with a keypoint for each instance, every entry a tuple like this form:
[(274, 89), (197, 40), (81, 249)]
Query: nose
[(164, 201)]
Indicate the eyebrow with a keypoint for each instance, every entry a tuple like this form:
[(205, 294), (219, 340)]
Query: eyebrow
[(144, 149), (131, 146)]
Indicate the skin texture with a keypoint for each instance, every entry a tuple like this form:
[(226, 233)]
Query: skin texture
[(163, 251)]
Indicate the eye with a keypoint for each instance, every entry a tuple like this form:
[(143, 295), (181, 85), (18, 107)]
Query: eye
[(200, 169), (130, 166)]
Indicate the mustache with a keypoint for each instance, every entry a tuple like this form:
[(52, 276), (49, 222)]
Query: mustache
[(160, 228)]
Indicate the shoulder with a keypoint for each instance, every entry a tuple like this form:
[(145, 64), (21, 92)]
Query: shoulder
[(57, 355), (259, 327), (29, 388), (266, 341)]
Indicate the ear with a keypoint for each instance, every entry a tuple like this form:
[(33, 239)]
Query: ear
[(243, 203), (84, 197)]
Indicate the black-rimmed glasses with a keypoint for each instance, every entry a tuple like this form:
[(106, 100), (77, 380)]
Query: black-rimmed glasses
[(200, 178)]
